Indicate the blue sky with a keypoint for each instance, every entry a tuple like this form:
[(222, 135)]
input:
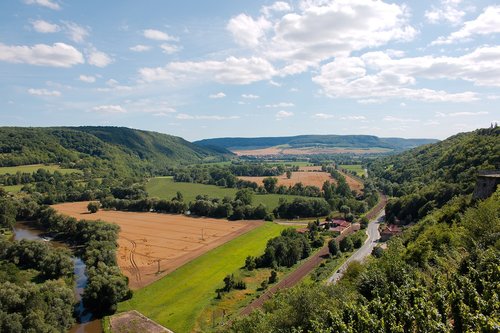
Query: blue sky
[(202, 69)]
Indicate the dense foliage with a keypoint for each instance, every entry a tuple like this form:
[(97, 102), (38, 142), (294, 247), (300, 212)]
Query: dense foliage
[(427, 177), (119, 150)]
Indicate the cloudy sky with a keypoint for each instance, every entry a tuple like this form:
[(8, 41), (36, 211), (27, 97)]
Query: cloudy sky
[(202, 69)]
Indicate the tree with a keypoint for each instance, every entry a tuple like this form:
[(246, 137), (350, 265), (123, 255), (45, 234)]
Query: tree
[(364, 222), (93, 207), (333, 247), (345, 209), (8, 212), (346, 244), (273, 277), (288, 174), (245, 196), (270, 184)]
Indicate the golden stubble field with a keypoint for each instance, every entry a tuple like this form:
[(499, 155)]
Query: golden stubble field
[(152, 245)]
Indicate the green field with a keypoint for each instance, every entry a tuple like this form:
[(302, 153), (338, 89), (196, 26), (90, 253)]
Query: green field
[(357, 168), (12, 188), (33, 168), (178, 299), (166, 188)]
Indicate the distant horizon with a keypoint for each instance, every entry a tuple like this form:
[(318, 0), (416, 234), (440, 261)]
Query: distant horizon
[(263, 68)]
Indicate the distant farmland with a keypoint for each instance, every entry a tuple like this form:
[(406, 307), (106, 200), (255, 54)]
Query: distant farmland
[(307, 176), (166, 188), (34, 167), (356, 168)]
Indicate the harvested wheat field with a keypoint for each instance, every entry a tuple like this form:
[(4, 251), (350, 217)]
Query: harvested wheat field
[(152, 245), (354, 184), (312, 178)]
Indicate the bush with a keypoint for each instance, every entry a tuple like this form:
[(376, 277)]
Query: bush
[(93, 207), (333, 247), (346, 244)]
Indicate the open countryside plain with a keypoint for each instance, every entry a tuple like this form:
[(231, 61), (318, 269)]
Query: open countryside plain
[(309, 175), (166, 188), (146, 238), (178, 299)]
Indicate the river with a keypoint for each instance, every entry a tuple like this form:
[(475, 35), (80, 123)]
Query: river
[(85, 321)]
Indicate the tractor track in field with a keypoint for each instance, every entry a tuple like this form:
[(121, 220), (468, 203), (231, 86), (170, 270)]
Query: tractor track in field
[(135, 269)]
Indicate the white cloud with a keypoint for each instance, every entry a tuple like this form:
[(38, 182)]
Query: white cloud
[(57, 55), (140, 48), (353, 118), (283, 114), (280, 105), (76, 32), (488, 22), (114, 86), (375, 76), (183, 116), (461, 114), (109, 109), (279, 7), (249, 96), (217, 96), (323, 116), (98, 58), (169, 48), (44, 92), (246, 31), (274, 83), (449, 11), (87, 78), (158, 35), (230, 71), (45, 27), (321, 30), (45, 3)]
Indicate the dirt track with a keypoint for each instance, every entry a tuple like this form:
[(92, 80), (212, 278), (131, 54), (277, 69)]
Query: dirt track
[(149, 240)]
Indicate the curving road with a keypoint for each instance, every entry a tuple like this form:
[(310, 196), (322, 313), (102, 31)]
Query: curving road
[(365, 250)]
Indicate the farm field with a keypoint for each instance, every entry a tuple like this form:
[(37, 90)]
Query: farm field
[(178, 299), (357, 168), (146, 238), (34, 167), (306, 177), (354, 184), (283, 150), (166, 188), (12, 188)]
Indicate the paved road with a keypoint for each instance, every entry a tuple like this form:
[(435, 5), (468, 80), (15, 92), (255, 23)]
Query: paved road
[(365, 250)]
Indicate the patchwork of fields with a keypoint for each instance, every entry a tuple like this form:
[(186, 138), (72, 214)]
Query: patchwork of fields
[(166, 188), (147, 240), (178, 299), (308, 175), (34, 167)]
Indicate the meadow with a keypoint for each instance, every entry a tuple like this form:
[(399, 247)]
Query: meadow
[(34, 167), (357, 168), (166, 188), (178, 299)]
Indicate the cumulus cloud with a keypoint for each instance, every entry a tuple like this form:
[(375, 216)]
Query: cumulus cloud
[(375, 75), (277, 7), (283, 114), (158, 35), (44, 3), (246, 31), (249, 96), (76, 32), (449, 11), (45, 27), (230, 71), (323, 116), (56, 55), (217, 96), (98, 58), (170, 48), (488, 22), (400, 120), (87, 78), (44, 92), (461, 114), (140, 48), (109, 109)]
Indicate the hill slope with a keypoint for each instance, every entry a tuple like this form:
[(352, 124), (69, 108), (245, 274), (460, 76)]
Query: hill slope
[(119, 148), (302, 141)]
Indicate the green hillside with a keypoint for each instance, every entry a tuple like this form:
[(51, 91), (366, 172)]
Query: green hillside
[(427, 177), (121, 149), (302, 141)]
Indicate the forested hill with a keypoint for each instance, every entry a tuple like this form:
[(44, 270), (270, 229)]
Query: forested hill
[(427, 177), (120, 148), (344, 141)]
